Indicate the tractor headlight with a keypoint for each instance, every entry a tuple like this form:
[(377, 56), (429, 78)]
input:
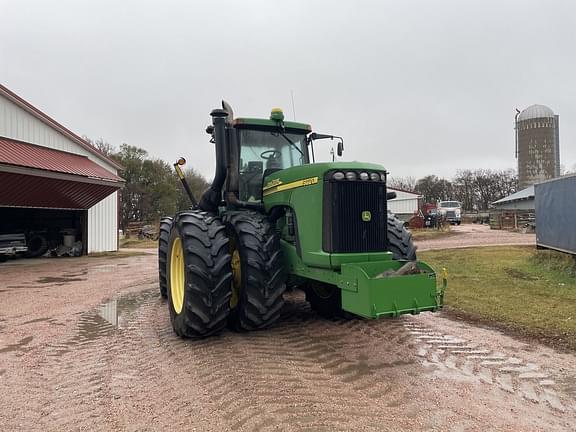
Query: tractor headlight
[(383, 177), (364, 176), (374, 176), (338, 175), (351, 175)]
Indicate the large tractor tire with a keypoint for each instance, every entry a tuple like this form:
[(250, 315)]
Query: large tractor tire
[(163, 237), (259, 275), (198, 274), (400, 240), (37, 245)]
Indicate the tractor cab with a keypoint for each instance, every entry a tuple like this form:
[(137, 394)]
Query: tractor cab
[(266, 146), (250, 149)]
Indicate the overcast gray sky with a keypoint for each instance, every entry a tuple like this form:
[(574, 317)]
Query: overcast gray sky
[(422, 87)]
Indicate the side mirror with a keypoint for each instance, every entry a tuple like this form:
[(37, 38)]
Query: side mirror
[(340, 148)]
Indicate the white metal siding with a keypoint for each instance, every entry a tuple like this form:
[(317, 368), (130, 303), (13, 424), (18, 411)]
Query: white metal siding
[(404, 203), (103, 225), (17, 123)]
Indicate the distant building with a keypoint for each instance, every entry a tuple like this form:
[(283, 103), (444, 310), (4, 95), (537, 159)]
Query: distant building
[(514, 211), (537, 145), (54, 186), (405, 204)]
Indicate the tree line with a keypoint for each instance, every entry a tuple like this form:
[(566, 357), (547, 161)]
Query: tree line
[(152, 189), (475, 189)]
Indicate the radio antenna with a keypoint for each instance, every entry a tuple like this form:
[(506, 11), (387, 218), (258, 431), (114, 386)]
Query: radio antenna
[(293, 109)]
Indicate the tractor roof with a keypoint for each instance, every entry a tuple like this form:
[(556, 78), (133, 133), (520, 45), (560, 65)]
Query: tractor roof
[(247, 122)]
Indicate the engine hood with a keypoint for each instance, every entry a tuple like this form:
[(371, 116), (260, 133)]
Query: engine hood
[(312, 173)]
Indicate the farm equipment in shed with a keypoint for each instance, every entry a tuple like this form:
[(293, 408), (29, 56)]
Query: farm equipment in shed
[(11, 245), (273, 218)]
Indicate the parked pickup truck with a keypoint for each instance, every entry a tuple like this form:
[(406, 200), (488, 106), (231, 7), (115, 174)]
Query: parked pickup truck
[(12, 244), (451, 210)]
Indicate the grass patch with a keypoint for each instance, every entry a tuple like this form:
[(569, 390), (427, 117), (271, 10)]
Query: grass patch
[(138, 244), (556, 262), (530, 292)]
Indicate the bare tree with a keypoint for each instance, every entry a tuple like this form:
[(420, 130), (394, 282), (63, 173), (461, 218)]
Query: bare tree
[(477, 189), (102, 146), (464, 189), (403, 183), (433, 188)]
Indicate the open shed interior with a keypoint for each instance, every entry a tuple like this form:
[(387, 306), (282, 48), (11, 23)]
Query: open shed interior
[(47, 230)]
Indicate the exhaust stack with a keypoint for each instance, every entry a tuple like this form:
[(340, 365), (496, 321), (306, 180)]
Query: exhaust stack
[(213, 196)]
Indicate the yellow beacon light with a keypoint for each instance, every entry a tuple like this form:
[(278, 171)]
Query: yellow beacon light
[(277, 114)]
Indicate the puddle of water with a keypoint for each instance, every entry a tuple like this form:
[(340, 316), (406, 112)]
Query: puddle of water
[(92, 326), (18, 346), (109, 311), (107, 317), (104, 320)]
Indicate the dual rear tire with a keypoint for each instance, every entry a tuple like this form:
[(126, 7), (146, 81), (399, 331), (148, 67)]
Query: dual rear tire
[(198, 275), (220, 272), (259, 278)]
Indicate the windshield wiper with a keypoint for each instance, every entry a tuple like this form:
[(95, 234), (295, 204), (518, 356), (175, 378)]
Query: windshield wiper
[(289, 141)]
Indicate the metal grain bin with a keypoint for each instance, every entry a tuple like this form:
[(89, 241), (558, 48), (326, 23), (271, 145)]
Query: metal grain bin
[(537, 145)]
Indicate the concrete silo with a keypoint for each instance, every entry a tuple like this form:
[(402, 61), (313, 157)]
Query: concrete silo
[(537, 145)]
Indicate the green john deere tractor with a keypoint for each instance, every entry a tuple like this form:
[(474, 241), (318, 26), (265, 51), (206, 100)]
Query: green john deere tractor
[(273, 218)]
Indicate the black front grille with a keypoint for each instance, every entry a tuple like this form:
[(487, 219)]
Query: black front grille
[(345, 229)]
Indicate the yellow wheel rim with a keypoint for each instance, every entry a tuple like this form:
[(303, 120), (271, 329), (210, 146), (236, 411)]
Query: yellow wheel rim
[(236, 277), (177, 275)]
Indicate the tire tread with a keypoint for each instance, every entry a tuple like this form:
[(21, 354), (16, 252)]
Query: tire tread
[(263, 272), (208, 275), (400, 241)]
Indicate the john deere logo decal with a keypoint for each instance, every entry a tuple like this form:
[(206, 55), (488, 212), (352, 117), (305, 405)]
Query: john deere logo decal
[(366, 216)]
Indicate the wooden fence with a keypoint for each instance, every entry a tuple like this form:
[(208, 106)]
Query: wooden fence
[(512, 219)]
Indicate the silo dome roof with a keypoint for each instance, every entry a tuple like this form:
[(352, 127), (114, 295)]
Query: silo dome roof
[(535, 111)]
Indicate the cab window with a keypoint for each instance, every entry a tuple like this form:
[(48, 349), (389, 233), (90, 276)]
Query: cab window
[(263, 152)]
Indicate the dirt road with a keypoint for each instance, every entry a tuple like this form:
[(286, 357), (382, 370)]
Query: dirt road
[(476, 235), (70, 362)]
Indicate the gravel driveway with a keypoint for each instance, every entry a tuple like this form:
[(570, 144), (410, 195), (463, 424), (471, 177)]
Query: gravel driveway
[(468, 235), (86, 344)]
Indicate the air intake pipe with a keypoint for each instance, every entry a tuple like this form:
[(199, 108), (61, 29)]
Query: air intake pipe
[(232, 161), (213, 196)]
